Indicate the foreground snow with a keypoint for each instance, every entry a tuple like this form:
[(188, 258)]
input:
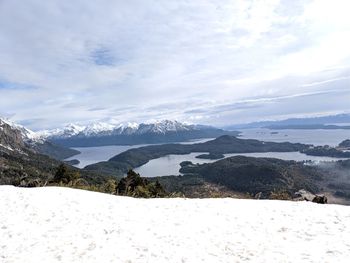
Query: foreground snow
[(65, 225)]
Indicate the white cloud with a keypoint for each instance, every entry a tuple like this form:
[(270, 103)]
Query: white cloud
[(131, 59)]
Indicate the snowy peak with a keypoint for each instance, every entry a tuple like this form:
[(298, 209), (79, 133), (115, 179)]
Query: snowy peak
[(103, 134), (126, 129), (104, 129), (167, 126), (73, 129), (26, 134), (68, 131), (16, 139), (11, 138), (97, 128)]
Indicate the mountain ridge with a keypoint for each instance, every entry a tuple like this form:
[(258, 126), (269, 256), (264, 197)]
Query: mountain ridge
[(103, 134), (104, 128), (17, 138), (322, 120)]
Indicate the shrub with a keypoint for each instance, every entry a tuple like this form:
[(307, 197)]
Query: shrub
[(65, 176), (134, 185), (280, 195), (109, 187)]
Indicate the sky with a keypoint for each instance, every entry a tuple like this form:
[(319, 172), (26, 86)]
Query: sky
[(198, 61)]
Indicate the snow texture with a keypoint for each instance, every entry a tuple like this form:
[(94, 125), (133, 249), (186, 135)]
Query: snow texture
[(6, 147), (66, 225)]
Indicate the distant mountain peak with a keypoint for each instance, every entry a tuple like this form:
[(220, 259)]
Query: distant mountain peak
[(96, 128), (27, 135), (66, 132), (340, 119), (129, 128), (16, 139), (101, 133)]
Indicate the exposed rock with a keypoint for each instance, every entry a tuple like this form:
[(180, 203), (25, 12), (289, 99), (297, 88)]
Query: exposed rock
[(9, 137), (320, 199), (258, 195), (303, 195)]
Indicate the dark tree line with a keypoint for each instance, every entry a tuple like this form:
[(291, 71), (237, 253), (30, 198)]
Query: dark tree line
[(132, 185)]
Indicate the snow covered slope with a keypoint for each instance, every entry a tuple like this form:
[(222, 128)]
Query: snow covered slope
[(66, 225), (26, 134), (15, 138)]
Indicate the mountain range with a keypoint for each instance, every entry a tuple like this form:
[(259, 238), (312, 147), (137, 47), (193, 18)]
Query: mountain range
[(339, 121), (55, 143), (102, 134), (16, 138)]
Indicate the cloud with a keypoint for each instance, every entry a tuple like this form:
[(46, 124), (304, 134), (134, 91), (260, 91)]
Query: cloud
[(97, 109), (325, 81), (140, 60)]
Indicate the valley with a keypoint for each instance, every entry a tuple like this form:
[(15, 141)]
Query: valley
[(190, 168)]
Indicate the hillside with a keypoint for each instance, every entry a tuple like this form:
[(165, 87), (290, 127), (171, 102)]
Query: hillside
[(66, 225), (254, 175), (345, 144), (14, 137), (29, 161)]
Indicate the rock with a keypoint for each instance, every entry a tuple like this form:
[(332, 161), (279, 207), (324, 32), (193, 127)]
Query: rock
[(258, 195), (303, 195), (320, 199)]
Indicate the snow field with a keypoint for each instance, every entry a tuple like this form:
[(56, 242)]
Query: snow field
[(54, 224)]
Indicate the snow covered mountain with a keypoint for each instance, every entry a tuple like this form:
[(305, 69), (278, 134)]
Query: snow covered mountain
[(15, 138), (11, 138), (98, 134), (101, 134), (26, 134), (68, 131), (52, 224), (102, 129)]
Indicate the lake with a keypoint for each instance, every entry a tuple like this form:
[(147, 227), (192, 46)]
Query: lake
[(170, 164), (90, 155), (315, 137)]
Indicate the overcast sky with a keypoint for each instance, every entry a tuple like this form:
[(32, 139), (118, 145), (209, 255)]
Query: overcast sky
[(210, 62)]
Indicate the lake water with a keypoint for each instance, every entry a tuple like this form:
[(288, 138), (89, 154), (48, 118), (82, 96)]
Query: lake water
[(90, 155), (315, 137), (170, 164)]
